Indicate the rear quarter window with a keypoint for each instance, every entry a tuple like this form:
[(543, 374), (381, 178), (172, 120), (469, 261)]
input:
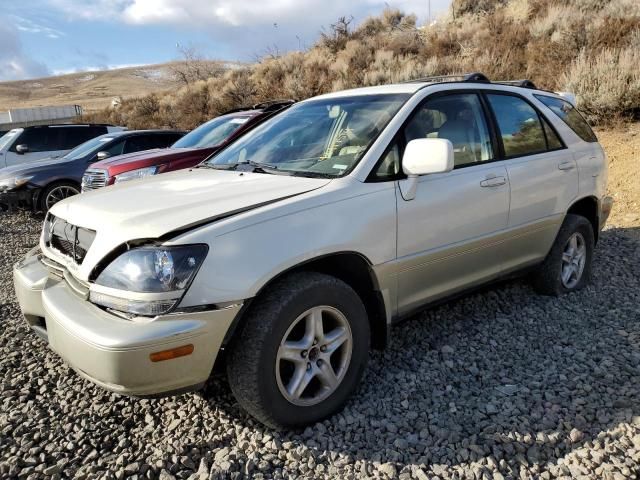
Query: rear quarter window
[(569, 115)]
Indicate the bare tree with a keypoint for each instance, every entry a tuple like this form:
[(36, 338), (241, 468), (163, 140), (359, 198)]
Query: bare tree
[(193, 66)]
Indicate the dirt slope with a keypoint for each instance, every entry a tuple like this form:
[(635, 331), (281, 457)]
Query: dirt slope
[(91, 90), (622, 145)]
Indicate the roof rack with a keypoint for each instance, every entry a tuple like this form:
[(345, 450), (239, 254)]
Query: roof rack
[(518, 83), (475, 77)]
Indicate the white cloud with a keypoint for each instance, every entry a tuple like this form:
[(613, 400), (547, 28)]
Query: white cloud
[(15, 64), (29, 26), (234, 13)]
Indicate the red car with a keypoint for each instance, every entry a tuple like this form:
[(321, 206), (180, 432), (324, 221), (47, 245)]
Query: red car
[(187, 152)]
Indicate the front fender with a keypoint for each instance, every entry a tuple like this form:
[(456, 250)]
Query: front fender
[(242, 260)]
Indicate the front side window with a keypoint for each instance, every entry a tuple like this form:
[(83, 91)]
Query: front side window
[(9, 137), (211, 133), (519, 125), (569, 115), (94, 145), (36, 140), (325, 137), (458, 118)]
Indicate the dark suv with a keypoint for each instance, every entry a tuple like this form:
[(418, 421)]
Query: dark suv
[(25, 145), (189, 151), (43, 183)]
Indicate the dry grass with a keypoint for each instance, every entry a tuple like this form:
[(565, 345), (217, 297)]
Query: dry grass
[(91, 90), (589, 46)]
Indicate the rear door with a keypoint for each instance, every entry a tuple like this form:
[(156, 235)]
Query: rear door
[(448, 235), (543, 177)]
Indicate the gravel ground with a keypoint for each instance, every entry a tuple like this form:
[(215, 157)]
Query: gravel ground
[(501, 384)]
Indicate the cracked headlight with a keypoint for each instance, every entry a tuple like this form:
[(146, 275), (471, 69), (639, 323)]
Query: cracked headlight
[(136, 174), (148, 280)]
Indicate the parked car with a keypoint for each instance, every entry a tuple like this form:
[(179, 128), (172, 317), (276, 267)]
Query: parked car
[(43, 183), (292, 251), (187, 152), (25, 145)]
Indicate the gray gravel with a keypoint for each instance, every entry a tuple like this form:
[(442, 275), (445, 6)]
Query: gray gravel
[(501, 384)]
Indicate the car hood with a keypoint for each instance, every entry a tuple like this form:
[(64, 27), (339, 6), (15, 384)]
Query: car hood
[(157, 206), (157, 156), (32, 167)]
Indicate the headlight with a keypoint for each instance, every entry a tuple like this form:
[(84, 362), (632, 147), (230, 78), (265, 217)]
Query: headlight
[(148, 280), (13, 183), (135, 174)]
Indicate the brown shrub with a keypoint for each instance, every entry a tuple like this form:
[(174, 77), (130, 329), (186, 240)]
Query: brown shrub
[(589, 46)]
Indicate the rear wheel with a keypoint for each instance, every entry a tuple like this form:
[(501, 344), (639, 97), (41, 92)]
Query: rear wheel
[(568, 265), (56, 192), (302, 351)]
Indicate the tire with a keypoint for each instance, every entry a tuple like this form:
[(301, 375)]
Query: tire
[(548, 278), (259, 368), (62, 189)]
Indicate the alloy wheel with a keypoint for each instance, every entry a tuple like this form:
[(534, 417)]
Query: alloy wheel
[(60, 193), (574, 258), (314, 356)]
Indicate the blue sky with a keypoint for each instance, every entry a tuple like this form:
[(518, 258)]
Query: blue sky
[(45, 37)]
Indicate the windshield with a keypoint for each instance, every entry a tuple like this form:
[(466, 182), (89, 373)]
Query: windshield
[(8, 137), (211, 133), (325, 137), (88, 147)]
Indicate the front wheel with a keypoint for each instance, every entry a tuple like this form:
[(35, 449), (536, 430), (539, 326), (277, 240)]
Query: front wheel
[(302, 351), (56, 192), (568, 265)]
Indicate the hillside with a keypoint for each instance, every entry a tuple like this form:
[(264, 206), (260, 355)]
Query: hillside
[(92, 90), (590, 47)]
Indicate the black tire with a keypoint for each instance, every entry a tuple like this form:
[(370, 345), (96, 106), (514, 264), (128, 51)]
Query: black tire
[(547, 278), (251, 364), (44, 194)]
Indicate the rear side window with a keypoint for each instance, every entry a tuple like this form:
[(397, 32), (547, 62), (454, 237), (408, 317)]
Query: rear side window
[(520, 127), (71, 137), (569, 115)]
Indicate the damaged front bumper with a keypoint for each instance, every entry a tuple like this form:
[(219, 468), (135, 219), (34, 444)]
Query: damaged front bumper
[(123, 355)]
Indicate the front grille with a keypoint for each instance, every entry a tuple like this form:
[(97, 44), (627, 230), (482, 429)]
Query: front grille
[(72, 241), (94, 178)]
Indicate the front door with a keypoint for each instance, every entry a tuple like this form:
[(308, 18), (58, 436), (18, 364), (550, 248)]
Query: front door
[(449, 235)]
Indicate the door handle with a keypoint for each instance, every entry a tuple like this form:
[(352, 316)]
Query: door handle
[(566, 166), (493, 182)]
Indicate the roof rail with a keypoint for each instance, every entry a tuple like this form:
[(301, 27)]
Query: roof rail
[(518, 83), (475, 77), (266, 106), (274, 104)]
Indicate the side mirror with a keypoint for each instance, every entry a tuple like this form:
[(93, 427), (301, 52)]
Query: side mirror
[(424, 156), (22, 149), (103, 155)]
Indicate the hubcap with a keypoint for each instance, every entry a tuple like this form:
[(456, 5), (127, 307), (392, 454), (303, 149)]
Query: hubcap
[(314, 355), (574, 258), (60, 193)]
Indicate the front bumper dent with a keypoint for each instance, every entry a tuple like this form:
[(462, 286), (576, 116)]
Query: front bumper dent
[(114, 352), (23, 197)]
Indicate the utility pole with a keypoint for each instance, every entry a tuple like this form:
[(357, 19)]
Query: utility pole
[(429, 12)]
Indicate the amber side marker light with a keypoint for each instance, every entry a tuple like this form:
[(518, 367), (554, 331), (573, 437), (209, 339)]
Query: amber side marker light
[(171, 354)]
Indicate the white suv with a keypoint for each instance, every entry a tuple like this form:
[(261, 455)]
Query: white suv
[(290, 253)]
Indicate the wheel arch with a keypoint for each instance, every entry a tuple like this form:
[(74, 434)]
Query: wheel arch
[(356, 271), (588, 208)]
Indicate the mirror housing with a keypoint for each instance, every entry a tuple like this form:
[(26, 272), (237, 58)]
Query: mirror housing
[(103, 155), (22, 148), (424, 156)]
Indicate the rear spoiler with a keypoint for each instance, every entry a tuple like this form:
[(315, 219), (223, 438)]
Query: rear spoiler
[(569, 97)]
